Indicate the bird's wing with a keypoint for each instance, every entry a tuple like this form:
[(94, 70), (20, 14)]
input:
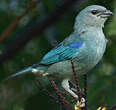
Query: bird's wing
[(61, 52)]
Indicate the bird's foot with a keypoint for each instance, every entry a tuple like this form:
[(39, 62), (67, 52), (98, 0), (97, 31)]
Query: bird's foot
[(80, 104), (71, 88)]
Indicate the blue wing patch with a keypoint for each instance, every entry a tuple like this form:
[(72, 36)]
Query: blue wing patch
[(76, 44), (61, 53)]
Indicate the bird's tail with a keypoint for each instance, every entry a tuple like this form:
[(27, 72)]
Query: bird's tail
[(22, 72)]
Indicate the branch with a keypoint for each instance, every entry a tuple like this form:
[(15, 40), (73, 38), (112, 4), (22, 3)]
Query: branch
[(85, 91), (12, 26), (61, 97), (50, 95), (76, 80)]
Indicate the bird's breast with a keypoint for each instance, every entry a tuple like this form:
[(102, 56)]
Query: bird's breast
[(95, 49), (91, 53)]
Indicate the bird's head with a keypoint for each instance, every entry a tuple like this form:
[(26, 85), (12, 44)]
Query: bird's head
[(93, 16)]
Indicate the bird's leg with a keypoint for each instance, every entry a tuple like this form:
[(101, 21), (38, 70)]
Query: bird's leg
[(66, 86), (72, 86)]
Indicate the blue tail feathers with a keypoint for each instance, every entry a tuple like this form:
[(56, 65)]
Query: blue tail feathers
[(29, 69)]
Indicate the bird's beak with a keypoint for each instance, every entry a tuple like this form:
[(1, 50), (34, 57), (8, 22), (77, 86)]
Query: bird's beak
[(105, 14)]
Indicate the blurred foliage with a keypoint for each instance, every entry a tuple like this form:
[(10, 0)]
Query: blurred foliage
[(24, 93)]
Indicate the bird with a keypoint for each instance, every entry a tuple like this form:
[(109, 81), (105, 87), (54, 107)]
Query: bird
[(85, 46)]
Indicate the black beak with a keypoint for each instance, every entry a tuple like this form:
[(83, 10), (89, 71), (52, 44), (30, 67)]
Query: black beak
[(106, 14)]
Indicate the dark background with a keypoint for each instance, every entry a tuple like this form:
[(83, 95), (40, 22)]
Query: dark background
[(23, 93)]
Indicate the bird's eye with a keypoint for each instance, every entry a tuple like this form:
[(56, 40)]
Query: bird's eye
[(94, 12)]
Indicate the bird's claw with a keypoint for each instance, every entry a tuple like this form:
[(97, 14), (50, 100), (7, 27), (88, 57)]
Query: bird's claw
[(80, 104)]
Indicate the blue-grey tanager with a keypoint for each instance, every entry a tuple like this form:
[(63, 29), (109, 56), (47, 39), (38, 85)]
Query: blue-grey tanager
[(85, 46)]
